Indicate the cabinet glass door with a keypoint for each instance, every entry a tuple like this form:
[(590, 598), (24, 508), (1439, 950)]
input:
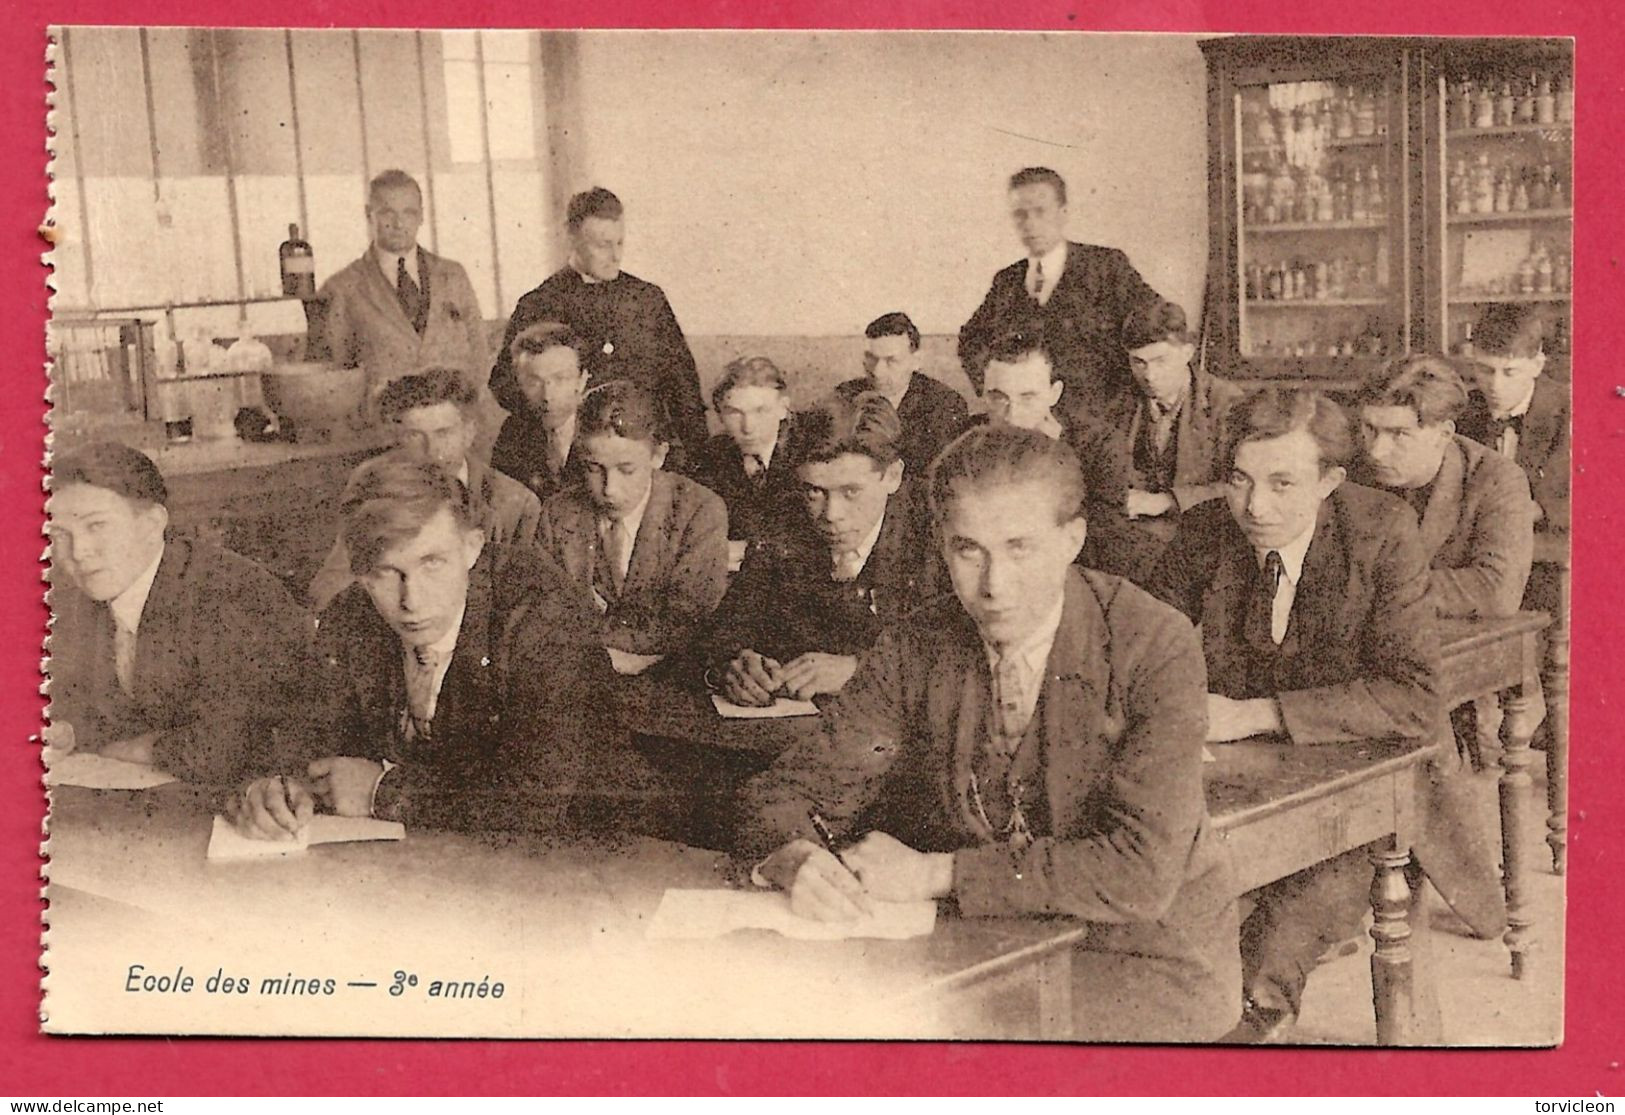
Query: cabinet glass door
[(1319, 199)]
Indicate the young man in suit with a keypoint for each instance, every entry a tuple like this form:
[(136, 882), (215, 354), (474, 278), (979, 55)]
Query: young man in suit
[(165, 650), (458, 679), (1030, 747), (1152, 453), (1076, 294), (537, 443), (1473, 504), (813, 598), (630, 329), (651, 547), (751, 463), (436, 416), (400, 308), (930, 413), (1311, 594)]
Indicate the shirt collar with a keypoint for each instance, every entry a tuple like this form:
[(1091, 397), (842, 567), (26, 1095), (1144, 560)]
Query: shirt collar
[(386, 263), (1292, 555), (1032, 651), (447, 643), (581, 272), (462, 472), (128, 605), (1054, 263), (633, 518), (1152, 402), (1051, 427), (867, 546)]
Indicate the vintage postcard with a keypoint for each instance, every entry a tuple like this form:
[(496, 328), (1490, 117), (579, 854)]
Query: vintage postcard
[(904, 535)]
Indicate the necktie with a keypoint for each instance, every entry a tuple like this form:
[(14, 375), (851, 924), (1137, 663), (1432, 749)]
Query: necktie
[(1162, 425), (422, 665), (1505, 434), (615, 550), (123, 655), (407, 292), (555, 454), (1269, 586), (1037, 287), (1010, 709)]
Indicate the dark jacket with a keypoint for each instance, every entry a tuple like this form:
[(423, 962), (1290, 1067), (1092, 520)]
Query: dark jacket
[(1081, 321), (1543, 447), (932, 414), (631, 333), (222, 652), (520, 452), (678, 569), (515, 736), (759, 506)]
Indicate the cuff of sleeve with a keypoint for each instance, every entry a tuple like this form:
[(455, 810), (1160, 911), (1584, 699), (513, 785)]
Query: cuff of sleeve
[(384, 805), (1295, 706)]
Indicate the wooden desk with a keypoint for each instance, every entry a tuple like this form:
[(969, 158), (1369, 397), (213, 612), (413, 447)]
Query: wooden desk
[(1552, 559), (1480, 659)]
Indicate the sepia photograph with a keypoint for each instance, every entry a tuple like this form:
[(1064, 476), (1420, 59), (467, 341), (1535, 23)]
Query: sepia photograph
[(951, 535)]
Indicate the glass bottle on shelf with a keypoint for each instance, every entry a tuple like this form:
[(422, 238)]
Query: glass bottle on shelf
[(1503, 190), (1281, 191), (1376, 205), (1325, 210), (1483, 185), (1359, 200), (1543, 271), (1365, 119), (1484, 107), (1506, 105), (1557, 197), (1545, 103), (1526, 102), (1253, 281), (1343, 118), (1520, 192), (1526, 274), (1540, 189), (1565, 100), (1562, 273), (1303, 200), (1340, 194)]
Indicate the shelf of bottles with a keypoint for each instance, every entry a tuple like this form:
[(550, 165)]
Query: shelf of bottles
[(1507, 156), (1316, 190)]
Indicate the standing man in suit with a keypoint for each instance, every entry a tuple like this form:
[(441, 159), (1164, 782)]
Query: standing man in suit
[(1152, 453), (1031, 747), (751, 463), (651, 547), (165, 650), (630, 329), (1077, 295), (436, 416), (931, 413), (537, 443), (400, 308), (458, 679), (1311, 594), (815, 596)]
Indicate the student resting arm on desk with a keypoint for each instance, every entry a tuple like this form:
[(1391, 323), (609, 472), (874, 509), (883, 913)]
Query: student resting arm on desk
[(458, 677), (1031, 748)]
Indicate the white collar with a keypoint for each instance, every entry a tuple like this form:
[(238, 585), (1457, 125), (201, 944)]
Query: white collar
[(447, 643), (128, 605), (633, 519), (1522, 408), (1292, 554), (387, 264), (867, 546), (590, 280), (1051, 427), (1033, 650), (462, 472), (1054, 262)]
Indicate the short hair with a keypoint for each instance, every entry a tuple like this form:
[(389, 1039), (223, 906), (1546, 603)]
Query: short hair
[(1016, 345), (115, 467), (1509, 329), (1427, 385), (388, 499), (1033, 175), (864, 423), (1273, 412), (392, 180), (1154, 321), (747, 371), (894, 324), (622, 408), (596, 202), (426, 389), (533, 340), (986, 455)]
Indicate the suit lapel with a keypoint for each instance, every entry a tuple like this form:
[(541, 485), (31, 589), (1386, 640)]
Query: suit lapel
[(1321, 587), (1444, 502), (382, 294), (650, 546), (956, 709), (579, 545), (463, 689), (1078, 723)]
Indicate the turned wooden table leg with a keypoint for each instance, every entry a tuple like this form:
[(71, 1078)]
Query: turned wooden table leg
[(1556, 681), (1393, 990), (1523, 717)]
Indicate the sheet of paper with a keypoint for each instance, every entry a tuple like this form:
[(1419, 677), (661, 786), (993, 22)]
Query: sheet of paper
[(736, 554), (625, 662), (783, 706), (98, 772), (701, 914), (226, 843)]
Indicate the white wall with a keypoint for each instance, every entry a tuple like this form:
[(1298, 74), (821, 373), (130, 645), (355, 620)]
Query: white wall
[(789, 184)]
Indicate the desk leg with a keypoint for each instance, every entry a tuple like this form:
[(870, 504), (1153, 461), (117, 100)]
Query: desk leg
[(1054, 974), (1393, 990), (1523, 717), (1557, 722)]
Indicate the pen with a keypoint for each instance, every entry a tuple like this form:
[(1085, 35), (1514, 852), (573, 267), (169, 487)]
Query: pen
[(825, 837)]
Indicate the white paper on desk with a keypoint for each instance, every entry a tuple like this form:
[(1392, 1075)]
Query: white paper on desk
[(703, 914), (226, 843), (781, 706), (98, 772), (625, 662)]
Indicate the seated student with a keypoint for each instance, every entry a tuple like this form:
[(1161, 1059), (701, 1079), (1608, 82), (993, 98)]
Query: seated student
[(650, 546), (165, 649), (536, 445), (1311, 594), (436, 417), (1151, 453), (1022, 388), (1031, 748), (1473, 505), (815, 596), (458, 679), (749, 464), (1520, 413), (932, 414)]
